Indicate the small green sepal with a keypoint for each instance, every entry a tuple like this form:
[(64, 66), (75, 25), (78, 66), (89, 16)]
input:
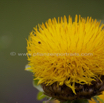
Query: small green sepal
[(37, 86), (41, 95)]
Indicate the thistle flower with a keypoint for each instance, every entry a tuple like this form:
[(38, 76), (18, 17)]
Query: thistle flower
[(67, 57)]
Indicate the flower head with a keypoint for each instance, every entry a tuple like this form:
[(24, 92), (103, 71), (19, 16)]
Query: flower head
[(67, 52)]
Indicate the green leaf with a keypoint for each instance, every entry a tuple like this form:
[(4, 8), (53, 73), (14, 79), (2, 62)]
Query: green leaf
[(95, 98), (35, 82), (100, 99), (40, 96), (37, 86)]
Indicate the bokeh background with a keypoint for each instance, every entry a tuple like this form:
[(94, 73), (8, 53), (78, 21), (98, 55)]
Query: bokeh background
[(17, 19)]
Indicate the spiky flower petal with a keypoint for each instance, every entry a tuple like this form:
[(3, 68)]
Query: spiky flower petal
[(67, 52)]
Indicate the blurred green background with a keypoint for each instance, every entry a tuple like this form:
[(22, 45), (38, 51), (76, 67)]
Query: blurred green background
[(17, 19)]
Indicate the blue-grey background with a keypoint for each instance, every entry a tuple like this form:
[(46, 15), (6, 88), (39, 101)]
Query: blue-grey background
[(17, 19)]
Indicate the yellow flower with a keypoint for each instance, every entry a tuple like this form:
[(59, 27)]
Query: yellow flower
[(67, 52)]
